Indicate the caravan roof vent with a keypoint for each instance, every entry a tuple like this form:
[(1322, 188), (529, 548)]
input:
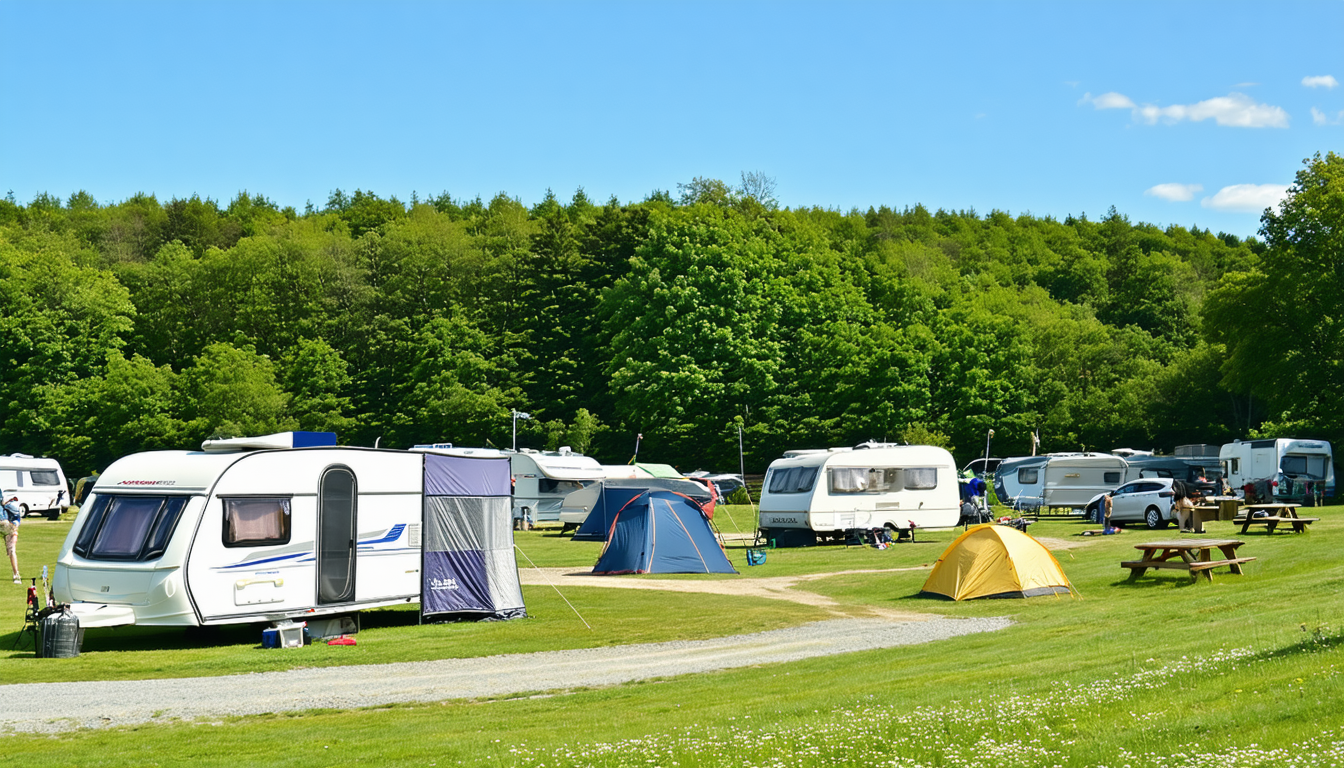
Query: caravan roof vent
[(270, 442)]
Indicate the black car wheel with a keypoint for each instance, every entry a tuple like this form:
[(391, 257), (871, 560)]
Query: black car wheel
[(1152, 517)]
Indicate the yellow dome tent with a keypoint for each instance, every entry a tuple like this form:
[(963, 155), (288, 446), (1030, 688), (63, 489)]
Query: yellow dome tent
[(996, 561)]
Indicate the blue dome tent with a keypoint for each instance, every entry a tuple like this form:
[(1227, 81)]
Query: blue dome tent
[(661, 532)]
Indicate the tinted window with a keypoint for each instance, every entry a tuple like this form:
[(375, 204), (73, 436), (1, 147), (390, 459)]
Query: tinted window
[(129, 527), (793, 479), (1131, 488), (45, 477), (1028, 475), (1110, 477), (253, 522)]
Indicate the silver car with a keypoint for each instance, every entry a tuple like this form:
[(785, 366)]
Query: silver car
[(1149, 501)]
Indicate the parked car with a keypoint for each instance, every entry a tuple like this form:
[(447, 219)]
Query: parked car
[(1148, 501)]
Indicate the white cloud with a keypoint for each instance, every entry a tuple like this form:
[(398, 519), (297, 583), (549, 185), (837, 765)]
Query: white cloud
[(1110, 100), (1178, 193), (1320, 81), (1246, 198), (1320, 118), (1236, 110)]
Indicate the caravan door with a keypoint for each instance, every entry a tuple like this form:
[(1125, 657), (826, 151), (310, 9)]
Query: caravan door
[(337, 522)]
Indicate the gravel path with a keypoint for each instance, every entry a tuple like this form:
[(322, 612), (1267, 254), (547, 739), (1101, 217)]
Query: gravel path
[(54, 707)]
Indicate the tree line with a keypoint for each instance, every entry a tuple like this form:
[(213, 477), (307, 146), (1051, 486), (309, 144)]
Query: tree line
[(683, 318)]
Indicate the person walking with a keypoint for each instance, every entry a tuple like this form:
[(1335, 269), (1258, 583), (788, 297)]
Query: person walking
[(10, 524)]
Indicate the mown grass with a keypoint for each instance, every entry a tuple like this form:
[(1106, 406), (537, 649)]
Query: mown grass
[(1241, 671)]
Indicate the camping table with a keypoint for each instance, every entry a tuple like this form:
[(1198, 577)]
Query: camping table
[(1276, 513), (1192, 555), (1221, 508)]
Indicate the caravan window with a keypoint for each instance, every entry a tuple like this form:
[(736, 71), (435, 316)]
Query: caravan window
[(1028, 475), (793, 479), (865, 479), (1113, 477), (254, 522), (921, 479), (44, 477), (129, 527)]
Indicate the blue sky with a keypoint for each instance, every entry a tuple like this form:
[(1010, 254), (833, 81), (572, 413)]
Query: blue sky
[(1191, 113)]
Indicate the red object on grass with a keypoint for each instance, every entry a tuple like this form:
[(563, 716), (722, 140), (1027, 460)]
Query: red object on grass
[(342, 640)]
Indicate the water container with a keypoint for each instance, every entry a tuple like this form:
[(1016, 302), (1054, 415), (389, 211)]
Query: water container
[(60, 635)]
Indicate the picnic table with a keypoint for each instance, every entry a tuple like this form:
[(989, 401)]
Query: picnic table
[(1214, 508), (1274, 514), (1195, 556)]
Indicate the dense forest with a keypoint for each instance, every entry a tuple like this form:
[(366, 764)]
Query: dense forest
[(147, 324)]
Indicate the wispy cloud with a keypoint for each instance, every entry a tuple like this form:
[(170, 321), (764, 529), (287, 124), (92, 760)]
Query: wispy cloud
[(1246, 198), (1235, 110), (1320, 81), (1320, 118), (1179, 193), (1110, 100)]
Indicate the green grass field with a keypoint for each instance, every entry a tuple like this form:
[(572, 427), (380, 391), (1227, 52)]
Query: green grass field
[(1241, 671)]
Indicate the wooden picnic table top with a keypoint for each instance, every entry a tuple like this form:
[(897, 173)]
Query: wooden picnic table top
[(1192, 555), (1189, 544), (1275, 505)]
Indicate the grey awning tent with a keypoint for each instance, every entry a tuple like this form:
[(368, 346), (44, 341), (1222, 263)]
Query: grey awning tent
[(468, 570)]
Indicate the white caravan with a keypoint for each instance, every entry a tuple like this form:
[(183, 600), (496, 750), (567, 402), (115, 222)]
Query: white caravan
[(1293, 470), (1072, 482), (245, 530), (38, 483), (541, 479), (873, 485)]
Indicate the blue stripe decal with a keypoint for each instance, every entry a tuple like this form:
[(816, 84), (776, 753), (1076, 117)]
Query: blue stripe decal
[(250, 563), (392, 535)]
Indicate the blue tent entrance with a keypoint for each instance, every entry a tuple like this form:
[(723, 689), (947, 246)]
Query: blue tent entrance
[(660, 532)]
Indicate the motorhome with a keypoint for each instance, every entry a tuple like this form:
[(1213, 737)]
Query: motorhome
[(541, 479), (1294, 471), (874, 485), (38, 483), (255, 529)]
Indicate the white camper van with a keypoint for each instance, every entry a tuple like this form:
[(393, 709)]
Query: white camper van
[(1293, 470), (541, 479), (245, 530), (873, 485), (38, 483)]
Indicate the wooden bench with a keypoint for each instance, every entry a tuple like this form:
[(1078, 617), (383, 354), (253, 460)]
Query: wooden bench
[(1139, 566), (1190, 555), (1271, 522)]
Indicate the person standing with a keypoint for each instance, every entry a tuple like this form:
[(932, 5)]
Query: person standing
[(13, 516)]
